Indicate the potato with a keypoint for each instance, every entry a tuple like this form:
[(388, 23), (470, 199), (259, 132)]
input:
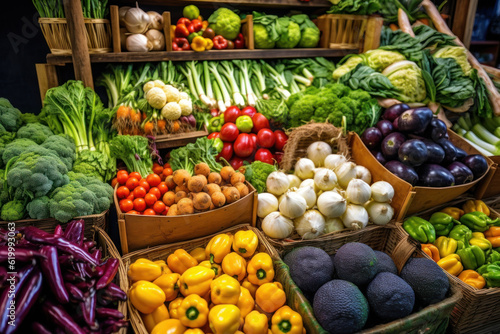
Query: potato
[(185, 206), (218, 199), (242, 189), (172, 211), (226, 172), (214, 178), (232, 194), (169, 198), (180, 195), (196, 183), (237, 178), (202, 169), (211, 188), (181, 177), (202, 201)]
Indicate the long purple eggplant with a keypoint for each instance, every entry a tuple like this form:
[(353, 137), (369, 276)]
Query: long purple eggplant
[(97, 254), (58, 231), (74, 292), (88, 309), (80, 268), (66, 260), (88, 245), (114, 291), (3, 275), (60, 317), (109, 274), (105, 312), (111, 325), (72, 276), (21, 254), (38, 328), (52, 272), (74, 231)]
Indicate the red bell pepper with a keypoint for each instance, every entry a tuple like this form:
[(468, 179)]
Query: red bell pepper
[(181, 31), (195, 26), (239, 42), (184, 20), (180, 44), (220, 43)]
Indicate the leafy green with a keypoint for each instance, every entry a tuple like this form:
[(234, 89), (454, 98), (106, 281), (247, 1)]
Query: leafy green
[(379, 59), (275, 110), (134, 152), (309, 31), (365, 78), (265, 33), (347, 64), (359, 7), (407, 78), (225, 22), (257, 172), (289, 32), (200, 151)]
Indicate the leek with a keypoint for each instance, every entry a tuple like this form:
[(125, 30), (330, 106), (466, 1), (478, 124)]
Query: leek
[(485, 135), (486, 146)]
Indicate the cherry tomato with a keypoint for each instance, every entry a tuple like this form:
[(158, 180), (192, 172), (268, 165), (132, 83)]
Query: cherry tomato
[(163, 187), (143, 183), (266, 138), (122, 171), (132, 182), (229, 132), (159, 207), (249, 111), (122, 177), (131, 196), (167, 171), (139, 204), (281, 139), (155, 191), (114, 182), (214, 112), (150, 199), (231, 114), (139, 192), (259, 122), (165, 211), (264, 155), (149, 212), (133, 212), (136, 175), (122, 192), (167, 165), (157, 169), (227, 152), (153, 180), (126, 205)]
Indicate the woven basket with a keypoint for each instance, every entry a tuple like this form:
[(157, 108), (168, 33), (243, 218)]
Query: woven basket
[(56, 33), (432, 319)]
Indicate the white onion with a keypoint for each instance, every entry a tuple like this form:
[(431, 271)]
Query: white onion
[(308, 194), (332, 161), (345, 173), (293, 205), (325, 179), (157, 38), (363, 173), (266, 203), (304, 168), (380, 213), (138, 43), (156, 20), (136, 20), (310, 182), (275, 225), (358, 192), (333, 225), (294, 180), (318, 151), (382, 191), (310, 225), (277, 183), (355, 216), (331, 204)]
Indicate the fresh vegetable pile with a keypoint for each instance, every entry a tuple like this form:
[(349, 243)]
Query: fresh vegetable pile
[(62, 282), (464, 242), (325, 194), (173, 294), (414, 146), (358, 287), (141, 31)]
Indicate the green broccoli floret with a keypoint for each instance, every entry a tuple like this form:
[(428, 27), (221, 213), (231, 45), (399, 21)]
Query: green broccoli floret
[(28, 118), (10, 117), (104, 194), (39, 208), (63, 146), (35, 131), (302, 111), (15, 148), (359, 95), (95, 164), (13, 210), (336, 89), (257, 172), (72, 200)]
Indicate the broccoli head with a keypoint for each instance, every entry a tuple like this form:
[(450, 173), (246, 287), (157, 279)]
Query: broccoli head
[(15, 148), (359, 95), (72, 200), (28, 118), (95, 164), (336, 89), (302, 110), (103, 191), (38, 208), (63, 146), (35, 131), (13, 210), (10, 117)]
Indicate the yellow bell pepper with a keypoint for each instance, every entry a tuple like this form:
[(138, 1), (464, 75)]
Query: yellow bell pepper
[(224, 319), (250, 287), (454, 212), (476, 205), (210, 44), (478, 239), (218, 247), (180, 261), (472, 278), (152, 319), (198, 44), (245, 243), (260, 269), (164, 268), (170, 326), (270, 297), (193, 311), (196, 280), (493, 236), (256, 323), (432, 251), (235, 266), (198, 254), (245, 302), (225, 290), (169, 284), (214, 266), (446, 246), (144, 270), (194, 331), (173, 308), (451, 264), (286, 321), (146, 296)]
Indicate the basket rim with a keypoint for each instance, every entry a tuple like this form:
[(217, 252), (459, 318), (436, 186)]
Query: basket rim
[(59, 20), (29, 220)]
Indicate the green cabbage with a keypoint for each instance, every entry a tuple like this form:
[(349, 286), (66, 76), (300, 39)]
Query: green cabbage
[(458, 53), (407, 78), (225, 22), (289, 32), (380, 59), (346, 67), (261, 38), (309, 31)]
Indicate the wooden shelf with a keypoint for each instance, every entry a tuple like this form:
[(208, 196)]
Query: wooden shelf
[(239, 3), (129, 57)]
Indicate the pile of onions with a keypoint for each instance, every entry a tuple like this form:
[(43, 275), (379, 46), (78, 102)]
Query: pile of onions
[(141, 31)]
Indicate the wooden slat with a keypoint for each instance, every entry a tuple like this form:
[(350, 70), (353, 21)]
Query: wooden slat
[(115, 28), (463, 20), (259, 3), (166, 30), (47, 78)]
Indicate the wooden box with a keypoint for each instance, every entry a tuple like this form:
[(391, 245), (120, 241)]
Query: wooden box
[(490, 185), (179, 139)]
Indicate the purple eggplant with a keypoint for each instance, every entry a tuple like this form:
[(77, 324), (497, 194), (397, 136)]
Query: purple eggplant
[(432, 175), (460, 172), (20, 254), (73, 277), (438, 129), (104, 312), (435, 153), (88, 309), (113, 325), (38, 328), (58, 231), (372, 137), (379, 156), (407, 173), (109, 274), (58, 315), (88, 245), (114, 291), (52, 271), (477, 164), (395, 124), (66, 260), (75, 231), (385, 127), (74, 292), (391, 143), (415, 120), (450, 151), (394, 111), (192, 120), (413, 152), (460, 154)]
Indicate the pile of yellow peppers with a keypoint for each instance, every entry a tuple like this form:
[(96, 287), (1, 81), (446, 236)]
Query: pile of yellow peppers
[(227, 287)]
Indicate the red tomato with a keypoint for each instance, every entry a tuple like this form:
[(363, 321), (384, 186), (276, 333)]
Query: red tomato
[(236, 163), (126, 205), (243, 146), (249, 111), (259, 122), (167, 165), (278, 156), (214, 135), (122, 177), (163, 187), (231, 114), (139, 192), (229, 132), (150, 199), (149, 212), (132, 182), (136, 175), (214, 112), (159, 207), (157, 169), (133, 212), (254, 140), (114, 182), (165, 211), (139, 204), (265, 138), (281, 139), (153, 180), (143, 183), (131, 196), (122, 171), (167, 171), (155, 191), (227, 152), (264, 155), (122, 192)]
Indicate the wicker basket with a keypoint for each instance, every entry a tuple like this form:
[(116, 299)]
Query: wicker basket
[(342, 31), (56, 33)]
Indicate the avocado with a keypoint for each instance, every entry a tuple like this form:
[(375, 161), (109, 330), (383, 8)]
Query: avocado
[(356, 262), (310, 267), (427, 279), (390, 297), (385, 263), (340, 307)]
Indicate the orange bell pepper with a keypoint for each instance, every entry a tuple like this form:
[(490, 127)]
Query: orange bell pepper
[(270, 297), (472, 278), (493, 236), (180, 261), (432, 251), (454, 212), (476, 205)]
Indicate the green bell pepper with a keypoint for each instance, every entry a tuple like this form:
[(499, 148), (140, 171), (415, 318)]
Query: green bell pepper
[(462, 234), (215, 124), (443, 223), (244, 123), (478, 221), (492, 256), (420, 230), (472, 257), (192, 35), (491, 273), (218, 144)]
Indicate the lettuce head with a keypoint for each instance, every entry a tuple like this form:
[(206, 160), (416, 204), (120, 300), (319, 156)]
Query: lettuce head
[(407, 78), (309, 31), (289, 32), (225, 22), (347, 66), (458, 53), (261, 37), (380, 59)]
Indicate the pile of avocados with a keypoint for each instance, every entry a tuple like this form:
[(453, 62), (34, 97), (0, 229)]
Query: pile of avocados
[(359, 287)]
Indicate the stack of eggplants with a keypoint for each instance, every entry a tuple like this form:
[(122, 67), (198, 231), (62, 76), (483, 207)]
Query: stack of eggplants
[(62, 284), (414, 145)]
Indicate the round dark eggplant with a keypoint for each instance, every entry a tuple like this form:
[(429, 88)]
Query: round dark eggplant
[(379, 156), (460, 153), (450, 151), (477, 164), (413, 152), (432, 175), (438, 129), (395, 111), (435, 153), (403, 171), (415, 120), (460, 172), (395, 124), (385, 127), (372, 137), (390, 145)]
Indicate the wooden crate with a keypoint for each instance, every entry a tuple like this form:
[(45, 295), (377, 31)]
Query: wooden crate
[(179, 139), (138, 232), (490, 185)]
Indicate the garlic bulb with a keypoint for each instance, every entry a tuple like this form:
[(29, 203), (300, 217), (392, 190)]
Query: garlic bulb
[(382, 191), (294, 180), (308, 194), (331, 204), (358, 192), (121, 14), (325, 179), (310, 225), (136, 20), (277, 183), (332, 161), (275, 225), (157, 39), (333, 225), (363, 173), (318, 151), (156, 20), (304, 168), (293, 205), (266, 203), (310, 182), (138, 43), (355, 216), (380, 213), (345, 173)]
